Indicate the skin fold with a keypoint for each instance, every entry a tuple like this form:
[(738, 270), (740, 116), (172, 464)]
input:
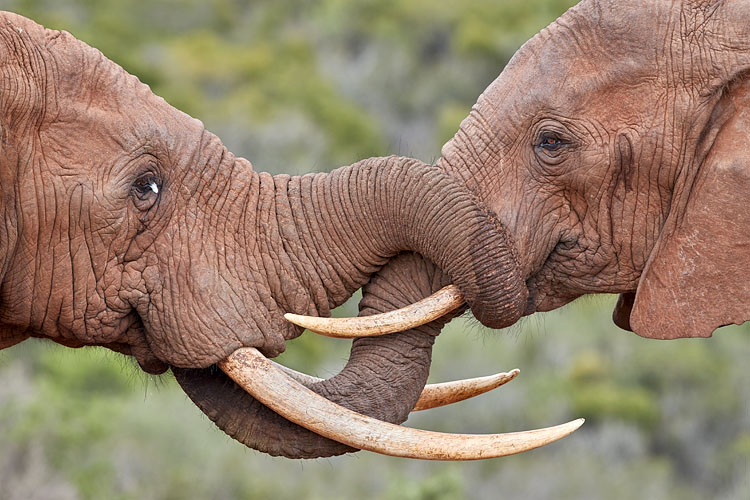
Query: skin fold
[(125, 224)]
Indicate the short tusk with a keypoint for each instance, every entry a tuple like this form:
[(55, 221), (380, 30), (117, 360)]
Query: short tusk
[(436, 305), (433, 395), (269, 385)]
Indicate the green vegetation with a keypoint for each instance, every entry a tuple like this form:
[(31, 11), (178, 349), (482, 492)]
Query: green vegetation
[(300, 86), (665, 420)]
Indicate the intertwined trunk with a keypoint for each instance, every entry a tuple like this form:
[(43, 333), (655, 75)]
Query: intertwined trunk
[(335, 230), (320, 237)]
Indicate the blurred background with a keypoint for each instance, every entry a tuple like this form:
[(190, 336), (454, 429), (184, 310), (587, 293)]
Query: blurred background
[(299, 86)]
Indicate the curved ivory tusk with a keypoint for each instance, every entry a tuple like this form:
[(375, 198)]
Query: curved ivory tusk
[(436, 305), (433, 395), (258, 376)]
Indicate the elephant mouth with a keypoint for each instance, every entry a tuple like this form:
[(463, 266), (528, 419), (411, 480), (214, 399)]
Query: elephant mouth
[(540, 298), (285, 392)]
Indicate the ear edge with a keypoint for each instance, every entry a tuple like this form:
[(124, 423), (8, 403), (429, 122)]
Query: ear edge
[(698, 276)]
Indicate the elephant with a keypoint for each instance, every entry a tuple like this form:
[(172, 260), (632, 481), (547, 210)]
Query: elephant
[(127, 225), (603, 159), (610, 148)]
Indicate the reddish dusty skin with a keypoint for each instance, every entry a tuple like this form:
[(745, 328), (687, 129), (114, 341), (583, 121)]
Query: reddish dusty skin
[(607, 157), (612, 148)]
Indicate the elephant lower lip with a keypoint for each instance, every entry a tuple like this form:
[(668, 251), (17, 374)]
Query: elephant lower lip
[(530, 303)]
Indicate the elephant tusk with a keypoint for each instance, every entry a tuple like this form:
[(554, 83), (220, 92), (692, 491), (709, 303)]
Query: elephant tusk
[(433, 395), (436, 305), (298, 404)]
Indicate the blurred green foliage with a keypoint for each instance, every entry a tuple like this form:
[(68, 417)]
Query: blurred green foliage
[(299, 86), (665, 420)]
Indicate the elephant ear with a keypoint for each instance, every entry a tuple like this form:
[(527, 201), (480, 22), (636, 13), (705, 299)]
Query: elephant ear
[(698, 276)]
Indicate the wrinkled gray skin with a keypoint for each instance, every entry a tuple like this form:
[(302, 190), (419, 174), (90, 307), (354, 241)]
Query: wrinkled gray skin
[(613, 147), (125, 224)]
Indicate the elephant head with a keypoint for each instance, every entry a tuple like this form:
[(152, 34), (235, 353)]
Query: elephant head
[(125, 224), (611, 147)]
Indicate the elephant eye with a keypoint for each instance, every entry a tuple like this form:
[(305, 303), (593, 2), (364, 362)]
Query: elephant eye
[(550, 147), (550, 142), (146, 191)]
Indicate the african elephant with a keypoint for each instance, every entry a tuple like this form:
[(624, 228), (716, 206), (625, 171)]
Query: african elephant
[(126, 225), (611, 148)]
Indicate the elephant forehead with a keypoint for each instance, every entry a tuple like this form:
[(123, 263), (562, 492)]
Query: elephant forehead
[(126, 131), (564, 64), (77, 85)]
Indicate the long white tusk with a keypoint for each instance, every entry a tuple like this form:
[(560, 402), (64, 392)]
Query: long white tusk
[(293, 401), (436, 305), (433, 395)]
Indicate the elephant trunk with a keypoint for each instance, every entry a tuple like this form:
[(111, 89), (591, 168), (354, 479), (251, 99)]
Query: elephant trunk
[(383, 377), (334, 231), (345, 225)]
